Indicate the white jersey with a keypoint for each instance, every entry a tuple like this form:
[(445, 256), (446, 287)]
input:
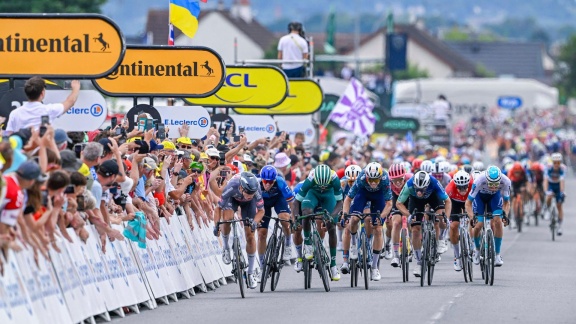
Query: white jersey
[(481, 186), (446, 178), (293, 47)]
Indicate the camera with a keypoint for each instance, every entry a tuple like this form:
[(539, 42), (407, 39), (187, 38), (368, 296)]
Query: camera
[(120, 200), (80, 202)]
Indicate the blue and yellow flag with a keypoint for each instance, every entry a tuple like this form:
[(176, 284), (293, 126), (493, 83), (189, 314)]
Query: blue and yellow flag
[(184, 15)]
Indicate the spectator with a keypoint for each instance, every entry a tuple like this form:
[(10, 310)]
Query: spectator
[(293, 47)]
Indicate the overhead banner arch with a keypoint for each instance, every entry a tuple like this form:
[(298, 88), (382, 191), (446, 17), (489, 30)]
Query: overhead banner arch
[(59, 45), (165, 71)]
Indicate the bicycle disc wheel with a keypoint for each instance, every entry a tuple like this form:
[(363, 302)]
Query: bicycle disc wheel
[(404, 256), (266, 267), (364, 259), (320, 261), (424, 259), (432, 257), (463, 254), (238, 263), (278, 262)]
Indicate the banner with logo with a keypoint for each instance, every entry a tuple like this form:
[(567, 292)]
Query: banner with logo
[(305, 97), (165, 71), (248, 86), (89, 111), (173, 117), (297, 124), (191, 259), (59, 45), (176, 247), (255, 127)]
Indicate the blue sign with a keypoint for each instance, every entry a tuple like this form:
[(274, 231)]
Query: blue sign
[(511, 103)]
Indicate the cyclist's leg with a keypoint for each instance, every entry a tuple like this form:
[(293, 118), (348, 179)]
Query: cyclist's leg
[(418, 204), (457, 208), (559, 202), (377, 206), (357, 207), (393, 227), (283, 211), (329, 203), (297, 238), (248, 211), (308, 205), (228, 207), (263, 233), (497, 226), (478, 207)]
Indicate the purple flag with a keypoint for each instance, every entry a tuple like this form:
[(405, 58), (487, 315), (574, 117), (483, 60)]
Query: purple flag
[(353, 111)]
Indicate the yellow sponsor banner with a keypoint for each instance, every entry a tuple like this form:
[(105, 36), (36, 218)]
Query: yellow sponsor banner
[(248, 86), (59, 46), (165, 71), (305, 98)]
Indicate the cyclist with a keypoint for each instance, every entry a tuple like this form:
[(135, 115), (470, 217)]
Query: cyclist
[(478, 166), (489, 189), (426, 166), (554, 185), (422, 189), (371, 186), (416, 163), (277, 195), (242, 191), (537, 171), (467, 168), (519, 179), (297, 230), (458, 190), (439, 172), (321, 189), (350, 175), (398, 177)]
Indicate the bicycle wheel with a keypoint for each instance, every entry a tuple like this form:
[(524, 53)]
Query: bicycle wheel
[(553, 223), (321, 266), (268, 260), (424, 259), (404, 255), (432, 256), (364, 243), (464, 254), (278, 262), (306, 269), (238, 265), (490, 258), (353, 273), (482, 256), (469, 262), (517, 218)]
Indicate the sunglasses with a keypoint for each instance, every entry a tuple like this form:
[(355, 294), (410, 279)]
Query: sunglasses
[(186, 147), (268, 181), (398, 181), (215, 158), (421, 190), (377, 180), (493, 184), (195, 171), (462, 188)]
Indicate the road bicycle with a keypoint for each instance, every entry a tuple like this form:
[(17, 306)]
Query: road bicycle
[(364, 246), (429, 246), (239, 264), (466, 249), (553, 210), (321, 259), (273, 258), (487, 252), (405, 248)]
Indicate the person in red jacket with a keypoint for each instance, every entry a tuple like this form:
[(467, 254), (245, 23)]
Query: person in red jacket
[(458, 190)]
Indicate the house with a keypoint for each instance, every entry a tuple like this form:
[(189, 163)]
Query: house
[(218, 29), (511, 59), (423, 50)]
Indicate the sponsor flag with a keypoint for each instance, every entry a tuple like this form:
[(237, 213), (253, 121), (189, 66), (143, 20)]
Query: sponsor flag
[(353, 111), (184, 15)]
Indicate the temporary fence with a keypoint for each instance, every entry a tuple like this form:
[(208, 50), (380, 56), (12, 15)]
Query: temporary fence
[(80, 282)]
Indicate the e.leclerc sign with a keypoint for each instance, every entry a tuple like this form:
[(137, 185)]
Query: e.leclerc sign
[(59, 45), (165, 71)]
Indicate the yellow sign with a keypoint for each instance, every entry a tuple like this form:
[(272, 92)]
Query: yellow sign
[(59, 46), (248, 86), (305, 98), (165, 71)]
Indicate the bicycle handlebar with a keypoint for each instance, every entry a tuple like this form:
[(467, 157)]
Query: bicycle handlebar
[(279, 219)]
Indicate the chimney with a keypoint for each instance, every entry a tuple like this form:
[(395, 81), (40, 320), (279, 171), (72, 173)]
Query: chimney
[(241, 9)]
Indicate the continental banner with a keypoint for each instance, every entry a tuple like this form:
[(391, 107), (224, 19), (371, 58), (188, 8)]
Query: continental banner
[(305, 98), (248, 86), (165, 71), (59, 46)]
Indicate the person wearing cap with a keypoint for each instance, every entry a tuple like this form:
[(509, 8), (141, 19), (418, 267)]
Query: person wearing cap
[(61, 139), (214, 158), (14, 198), (169, 147), (184, 143), (111, 151), (282, 164)]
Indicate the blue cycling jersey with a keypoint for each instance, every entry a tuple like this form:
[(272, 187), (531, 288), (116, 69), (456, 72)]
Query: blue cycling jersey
[(345, 185), (554, 176), (280, 187), (433, 187), (297, 187), (362, 183)]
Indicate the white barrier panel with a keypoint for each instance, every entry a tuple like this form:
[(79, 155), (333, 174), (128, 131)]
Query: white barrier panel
[(174, 256), (210, 273), (150, 270), (188, 250), (19, 308)]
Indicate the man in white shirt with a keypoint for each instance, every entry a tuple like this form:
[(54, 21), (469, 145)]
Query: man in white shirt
[(29, 114), (441, 108), (293, 47)]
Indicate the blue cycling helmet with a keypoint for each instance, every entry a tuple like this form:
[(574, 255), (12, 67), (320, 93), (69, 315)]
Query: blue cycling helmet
[(493, 174), (269, 173)]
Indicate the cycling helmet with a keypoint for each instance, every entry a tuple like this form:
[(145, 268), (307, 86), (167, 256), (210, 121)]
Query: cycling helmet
[(426, 166), (407, 166), (373, 170), (452, 167), (467, 168), (416, 163), (396, 171), (475, 174), (507, 160), (439, 158), (268, 173), (478, 166), (322, 175), (421, 180), (462, 178), (438, 167), (352, 171), (248, 182), (493, 174), (556, 157), (536, 166), (349, 163)]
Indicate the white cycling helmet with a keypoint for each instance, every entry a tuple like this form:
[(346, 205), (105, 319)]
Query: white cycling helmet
[(427, 166), (352, 171), (440, 158), (461, 178), (407, 166), (478, 166), (373, 170), (438, 167), (421, 180), (556, 157), (475, 174), (507, 160)]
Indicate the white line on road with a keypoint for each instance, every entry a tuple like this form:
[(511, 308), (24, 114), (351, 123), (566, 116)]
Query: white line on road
[(436, 317)]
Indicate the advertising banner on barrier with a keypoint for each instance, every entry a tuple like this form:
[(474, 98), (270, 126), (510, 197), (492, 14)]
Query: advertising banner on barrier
[(297, 124), (172, 257), (255, 127), (192, 261), (165, 71), (197, 118), (89, 111), (17, 303), (151, 271), (305, 97), (59, 45), (248, 86)]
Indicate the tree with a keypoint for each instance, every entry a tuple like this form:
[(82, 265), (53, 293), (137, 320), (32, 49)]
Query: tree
[(567, 74), (51, 6)]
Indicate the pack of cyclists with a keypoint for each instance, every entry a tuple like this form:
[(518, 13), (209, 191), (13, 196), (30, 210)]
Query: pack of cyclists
[(405, 189)]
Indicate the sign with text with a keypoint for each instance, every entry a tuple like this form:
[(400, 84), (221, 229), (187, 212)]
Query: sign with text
[(59, 45), (297, 124), (398, 125), (165, 71), (248, 86), (305, 98), (88, 113), (255, 127), (174, 117)]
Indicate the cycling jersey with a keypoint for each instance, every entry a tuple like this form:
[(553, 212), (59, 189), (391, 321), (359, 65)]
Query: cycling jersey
[(483, 197), (232, 198), (521, 177), (410, 192), (481, 186), (396, 190), (277, 197), (362, 183), (555, 176), (312, 195), (444, 181), (12, 201), (279, 188), (345, 185), (362, 193), (458, 200)]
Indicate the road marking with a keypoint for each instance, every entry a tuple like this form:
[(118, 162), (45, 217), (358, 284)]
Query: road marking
[(445, 308)]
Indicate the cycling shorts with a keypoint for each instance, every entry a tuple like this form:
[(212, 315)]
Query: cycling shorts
[(487, 202), (554, 189), (420, 205), (279, 204), (458, 207), (248, 208), (516, 186), (325, 200), (367, 199)]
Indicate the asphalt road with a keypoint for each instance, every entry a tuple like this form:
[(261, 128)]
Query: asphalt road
[(537, 284)]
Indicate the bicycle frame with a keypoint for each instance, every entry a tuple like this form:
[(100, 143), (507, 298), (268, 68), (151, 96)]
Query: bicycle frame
[(239, 265), (487, 250), (321, 260)]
